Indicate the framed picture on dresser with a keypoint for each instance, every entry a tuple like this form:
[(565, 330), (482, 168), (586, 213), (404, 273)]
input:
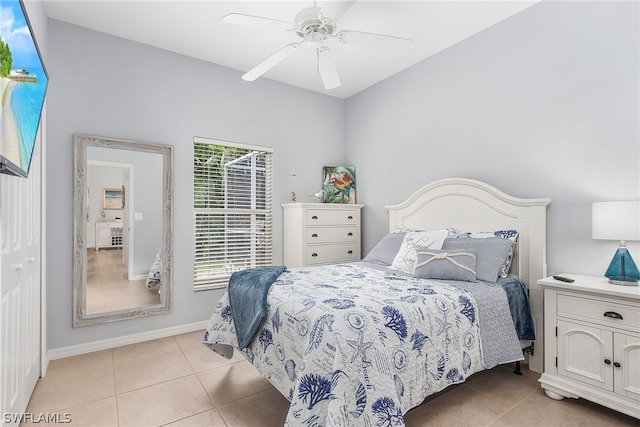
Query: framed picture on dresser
[(339, 184)]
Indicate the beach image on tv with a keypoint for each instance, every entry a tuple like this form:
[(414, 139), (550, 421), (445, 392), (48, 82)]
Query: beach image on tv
[(23, 83)]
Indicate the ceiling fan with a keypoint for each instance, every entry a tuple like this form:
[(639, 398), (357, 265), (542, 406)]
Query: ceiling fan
[(314, 25)]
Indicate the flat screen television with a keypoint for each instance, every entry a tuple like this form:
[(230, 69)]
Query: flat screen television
[(23, 85)]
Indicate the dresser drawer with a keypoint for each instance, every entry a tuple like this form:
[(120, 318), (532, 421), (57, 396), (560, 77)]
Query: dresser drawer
[(321, 233), (601, 312), (331, 217), (331, 234), (332, 253)]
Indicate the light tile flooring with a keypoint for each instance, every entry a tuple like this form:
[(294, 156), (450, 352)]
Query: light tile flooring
[(109, 289), (177, 381)]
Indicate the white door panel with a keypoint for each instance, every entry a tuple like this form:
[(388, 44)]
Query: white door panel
[(20, 287)]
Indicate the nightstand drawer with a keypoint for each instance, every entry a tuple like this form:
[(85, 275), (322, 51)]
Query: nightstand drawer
[(332, 217), (326, 254), (333, 234), (602, 312)]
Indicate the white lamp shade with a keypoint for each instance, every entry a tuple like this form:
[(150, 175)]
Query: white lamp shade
[(616, 220)]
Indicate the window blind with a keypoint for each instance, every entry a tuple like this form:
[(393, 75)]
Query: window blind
[(232, 210)]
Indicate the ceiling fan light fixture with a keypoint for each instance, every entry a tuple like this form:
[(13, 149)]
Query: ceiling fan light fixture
[(309, 21)]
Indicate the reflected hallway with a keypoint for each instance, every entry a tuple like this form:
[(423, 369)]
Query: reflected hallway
[(107, 286)]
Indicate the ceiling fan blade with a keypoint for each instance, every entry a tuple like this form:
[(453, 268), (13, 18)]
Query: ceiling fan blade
[(270, 62), (327, 68), (334, 9), (256, 21), (363, 37)]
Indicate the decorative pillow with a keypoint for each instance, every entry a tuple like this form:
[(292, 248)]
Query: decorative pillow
[(505, 234), (448, 265), (386, 249), (154, 278), (405, 259), (491, 254)]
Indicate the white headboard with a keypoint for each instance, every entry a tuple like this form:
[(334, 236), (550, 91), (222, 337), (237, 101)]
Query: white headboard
[(471, 205)]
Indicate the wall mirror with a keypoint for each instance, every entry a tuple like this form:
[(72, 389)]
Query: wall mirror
[(123, 196)]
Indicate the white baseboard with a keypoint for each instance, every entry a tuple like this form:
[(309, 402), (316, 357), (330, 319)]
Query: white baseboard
[(75, 350)]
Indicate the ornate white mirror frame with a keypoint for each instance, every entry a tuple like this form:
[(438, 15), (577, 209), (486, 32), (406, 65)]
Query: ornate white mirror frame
[(82, 144)]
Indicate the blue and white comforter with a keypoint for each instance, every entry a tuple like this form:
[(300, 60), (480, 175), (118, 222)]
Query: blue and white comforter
[(353, 345)]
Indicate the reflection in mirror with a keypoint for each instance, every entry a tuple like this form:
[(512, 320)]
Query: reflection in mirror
[(122, 225)]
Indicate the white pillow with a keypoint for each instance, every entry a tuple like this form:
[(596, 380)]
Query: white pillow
[(406, 257)]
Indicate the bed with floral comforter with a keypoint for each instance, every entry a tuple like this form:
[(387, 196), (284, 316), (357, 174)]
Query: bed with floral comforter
[(354, 344)]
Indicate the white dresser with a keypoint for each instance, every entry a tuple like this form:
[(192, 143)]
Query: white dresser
[(108, 234), (592, 342), (321, 233)]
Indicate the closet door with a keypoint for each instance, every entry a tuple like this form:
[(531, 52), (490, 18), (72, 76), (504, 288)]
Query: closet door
[(20, 288)]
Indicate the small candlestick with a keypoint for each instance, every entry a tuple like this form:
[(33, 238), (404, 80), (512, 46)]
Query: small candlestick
[(293, 185)]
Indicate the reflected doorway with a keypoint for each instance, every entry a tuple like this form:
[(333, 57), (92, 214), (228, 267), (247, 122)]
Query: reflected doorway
[(108, 217), (111, 283)]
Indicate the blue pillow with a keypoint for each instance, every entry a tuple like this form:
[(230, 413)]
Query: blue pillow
[(491, 254), (385, 251), (505, 234), (446, 264)]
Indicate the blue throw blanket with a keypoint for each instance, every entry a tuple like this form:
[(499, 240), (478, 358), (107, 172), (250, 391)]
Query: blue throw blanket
[(519, 305), (248, 291)]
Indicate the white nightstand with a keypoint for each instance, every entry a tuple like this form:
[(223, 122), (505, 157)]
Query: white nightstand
[(321, 233), (592, 342)]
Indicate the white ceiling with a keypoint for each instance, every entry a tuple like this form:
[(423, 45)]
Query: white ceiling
[(194, 28)]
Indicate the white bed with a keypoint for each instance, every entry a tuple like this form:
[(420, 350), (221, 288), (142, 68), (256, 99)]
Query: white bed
[(447, 203), (345, 343)]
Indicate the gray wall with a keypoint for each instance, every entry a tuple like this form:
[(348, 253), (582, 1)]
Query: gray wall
[(103, 85), (543, 104)]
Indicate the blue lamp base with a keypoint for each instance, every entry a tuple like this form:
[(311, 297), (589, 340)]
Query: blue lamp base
[(622, 270)]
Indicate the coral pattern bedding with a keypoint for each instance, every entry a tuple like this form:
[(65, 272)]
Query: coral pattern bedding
[(356, 344)]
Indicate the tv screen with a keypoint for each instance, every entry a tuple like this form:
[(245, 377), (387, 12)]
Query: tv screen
[(23, 84)]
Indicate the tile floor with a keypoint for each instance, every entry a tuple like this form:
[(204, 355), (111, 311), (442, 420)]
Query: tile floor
[(109, 289), (177, 381)]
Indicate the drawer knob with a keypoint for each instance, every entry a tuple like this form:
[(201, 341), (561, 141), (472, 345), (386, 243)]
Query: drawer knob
[(314, 235), (616, 364), (314, 254), (607, 362), (613, 315), (314, 217), (349, 252), (350, 234), (349, 217)]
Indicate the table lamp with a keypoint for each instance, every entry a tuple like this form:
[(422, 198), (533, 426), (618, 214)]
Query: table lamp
[(618, 221)]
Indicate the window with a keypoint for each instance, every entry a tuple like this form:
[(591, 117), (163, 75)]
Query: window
[(232, 210)]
